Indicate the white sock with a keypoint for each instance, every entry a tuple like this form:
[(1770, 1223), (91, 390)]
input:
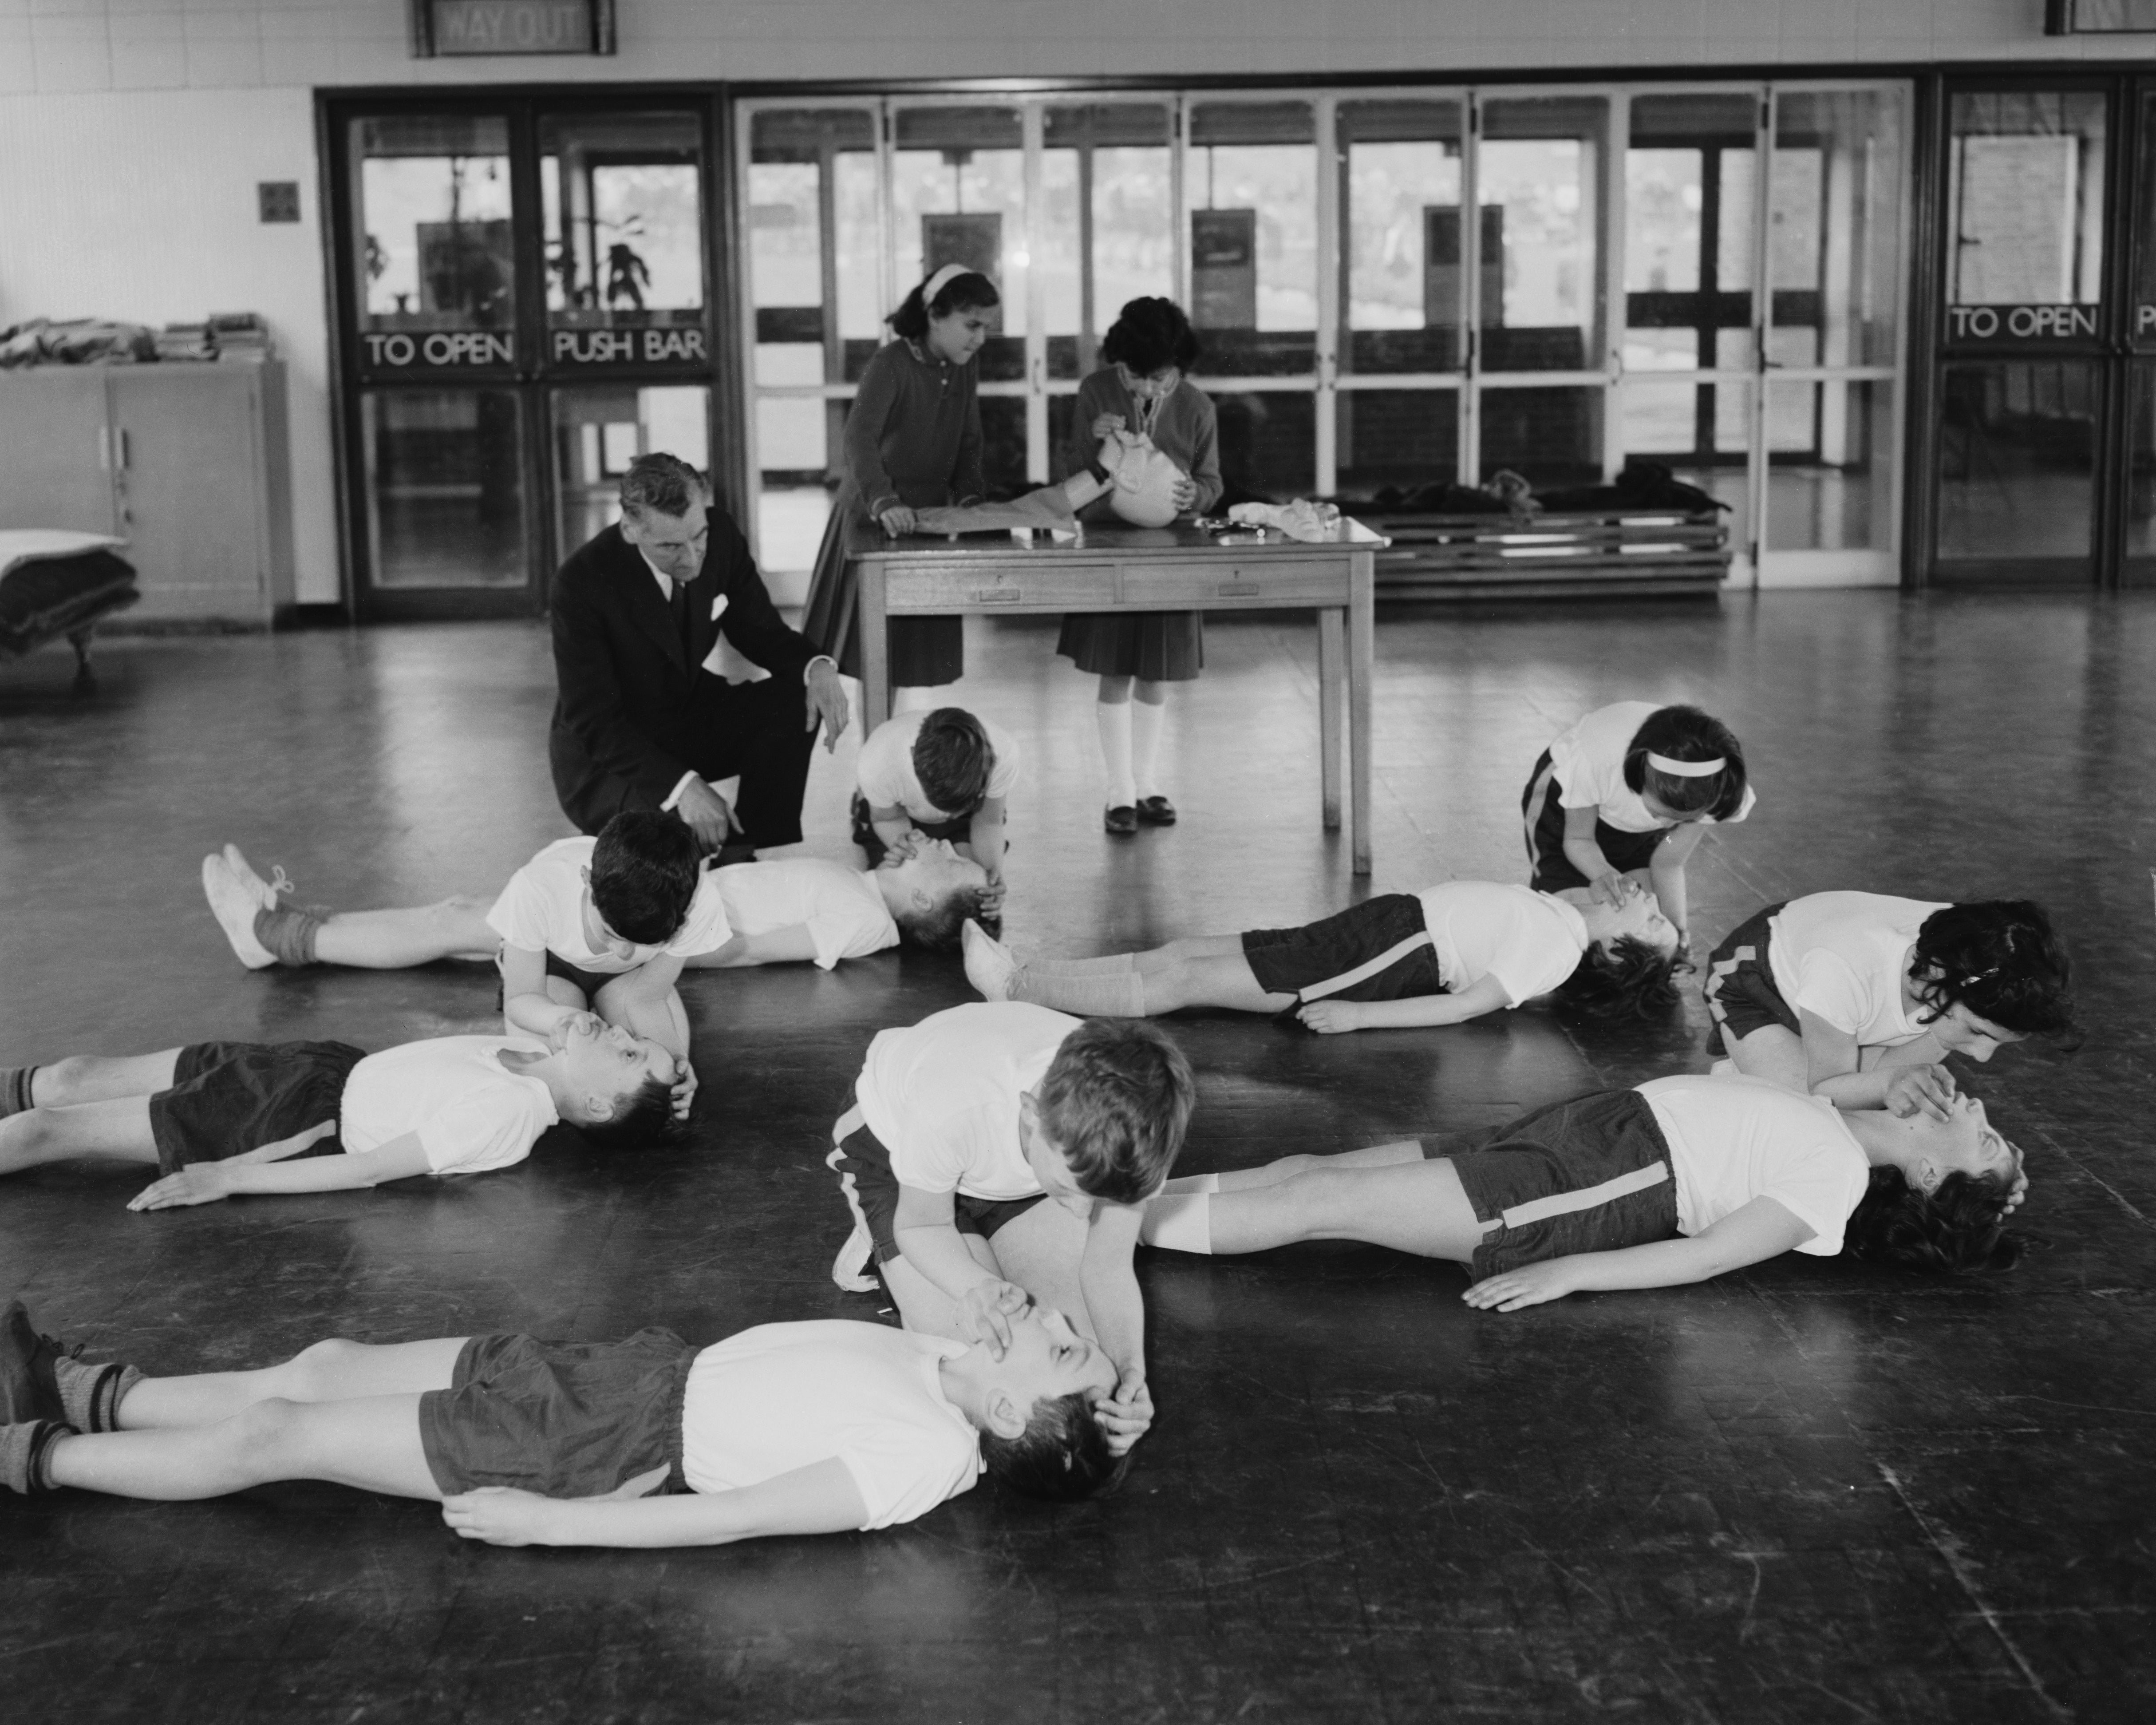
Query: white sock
[(1184, 1184), (1111, 997), (1115, 964), (1181, 1224), (1115, 723), (1145, 745)]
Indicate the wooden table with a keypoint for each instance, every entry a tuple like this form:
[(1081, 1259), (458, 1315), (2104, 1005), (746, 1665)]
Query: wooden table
[(1123, 568)]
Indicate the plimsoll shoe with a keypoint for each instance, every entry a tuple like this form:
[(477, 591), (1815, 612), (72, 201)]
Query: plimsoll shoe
[(1122, 820), (1156, 812), (29, 1388), (235, 907)]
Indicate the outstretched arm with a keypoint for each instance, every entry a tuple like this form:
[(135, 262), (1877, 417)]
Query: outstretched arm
[(820, 1498), (1410, 1012), (1108, 1278), (1584, 851), (206, 1182), (1761, 1229), (1833, 1060), (1667, 873), (792, 945)]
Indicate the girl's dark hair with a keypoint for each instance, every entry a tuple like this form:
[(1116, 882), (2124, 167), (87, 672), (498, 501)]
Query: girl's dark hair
[(1062, 1454), (1149, 334), (952, 758), (1999, 958), (970, 292), (1685, 733), (1958, 1227), (1631, 979)]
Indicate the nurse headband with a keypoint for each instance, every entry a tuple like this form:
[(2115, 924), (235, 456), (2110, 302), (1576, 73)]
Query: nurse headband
[(1686, 769), (940, 281)]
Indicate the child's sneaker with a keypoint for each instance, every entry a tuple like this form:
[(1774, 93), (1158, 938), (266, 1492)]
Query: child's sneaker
[(28, 1389), (989, 965), (265, 892), (235, 908)]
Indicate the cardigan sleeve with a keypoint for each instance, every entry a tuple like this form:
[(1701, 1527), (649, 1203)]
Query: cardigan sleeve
[(874, 405), (968, 483)]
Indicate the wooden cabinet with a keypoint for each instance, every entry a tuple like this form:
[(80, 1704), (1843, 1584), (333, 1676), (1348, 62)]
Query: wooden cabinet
[(189, 464)]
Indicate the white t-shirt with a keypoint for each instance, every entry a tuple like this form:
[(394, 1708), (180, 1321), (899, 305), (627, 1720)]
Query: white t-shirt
[(840, 906), (1528, 940), (942, 1096), (470, 1111), (887, 779), (1843, 955), (543, 910), (1735, 1139), (1588, 763), (788, 1395)]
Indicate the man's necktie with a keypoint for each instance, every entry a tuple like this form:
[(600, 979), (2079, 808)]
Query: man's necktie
[(680, 602)]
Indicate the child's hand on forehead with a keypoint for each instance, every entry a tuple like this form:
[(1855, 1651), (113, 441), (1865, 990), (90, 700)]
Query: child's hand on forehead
[(985, 1311)]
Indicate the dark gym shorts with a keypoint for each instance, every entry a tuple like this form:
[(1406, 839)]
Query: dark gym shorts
[(863, 1166), (562, 1419), (590, 981), (1552, 869), (1590, 1175), (1740, 989), (1378, 950), (230, 1097)]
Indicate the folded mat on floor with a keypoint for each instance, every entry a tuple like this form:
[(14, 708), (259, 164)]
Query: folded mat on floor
[(51, 581)]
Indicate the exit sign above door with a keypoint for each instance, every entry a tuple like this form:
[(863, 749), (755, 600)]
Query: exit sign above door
[(512, 27)]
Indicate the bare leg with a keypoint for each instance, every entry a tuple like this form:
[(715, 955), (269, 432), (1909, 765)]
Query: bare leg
[(1418, 1207), (1774, 1054), (99, 1078), (335, 1370), (373, 1444), (117, 1131), (923, 1306), (393, 940), (1246, 1180)]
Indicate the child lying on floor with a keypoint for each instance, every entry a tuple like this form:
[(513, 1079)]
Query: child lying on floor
[(1440, 956), (786, 1428), (221, 1118)]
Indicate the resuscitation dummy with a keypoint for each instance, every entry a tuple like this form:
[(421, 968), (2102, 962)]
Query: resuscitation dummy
[(1143, 477)]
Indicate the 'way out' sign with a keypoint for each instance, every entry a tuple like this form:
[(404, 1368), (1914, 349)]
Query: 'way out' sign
[(471, 27)]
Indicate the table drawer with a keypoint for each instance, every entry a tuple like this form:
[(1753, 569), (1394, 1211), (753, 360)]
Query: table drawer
[(935, 587), (1254, 581)]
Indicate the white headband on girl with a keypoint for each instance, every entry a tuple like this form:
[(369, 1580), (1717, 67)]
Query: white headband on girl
[(1686, 769), (940, 281)]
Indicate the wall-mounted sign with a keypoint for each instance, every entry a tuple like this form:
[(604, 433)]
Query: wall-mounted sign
[(438, 347), (2144, 322), (512, 27), (617, 347), (2099, 17), (2021, 323)]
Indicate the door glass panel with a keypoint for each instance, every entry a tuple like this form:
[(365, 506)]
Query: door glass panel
[(2143, 315), (621, 200), (434, 249), (1400, 224), (2139, 569), (1830, 465), (1268, 442), (812, 273), (444, 477), (1115, 158), (599, 429), (2024, 208), (1538, 169), (958, 197), (1550, 435), (1701, 432), (1396, 439), (2017, 475), (1250, 182), (1834, 236)]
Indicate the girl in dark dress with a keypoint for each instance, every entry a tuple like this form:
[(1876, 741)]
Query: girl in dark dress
[(913, 441), (1142, 388)]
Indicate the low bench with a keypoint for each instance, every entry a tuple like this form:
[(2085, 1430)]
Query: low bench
[(1560, 554)]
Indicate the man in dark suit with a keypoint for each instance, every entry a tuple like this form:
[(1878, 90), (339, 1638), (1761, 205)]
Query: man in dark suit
[(638, 722)]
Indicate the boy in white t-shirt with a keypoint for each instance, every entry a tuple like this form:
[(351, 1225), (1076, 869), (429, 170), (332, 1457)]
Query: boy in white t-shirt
[(942, 774), (1674, 1181), (963, 1125), (224, 1118), (1442, 956), (605, 923), (786, 1428)]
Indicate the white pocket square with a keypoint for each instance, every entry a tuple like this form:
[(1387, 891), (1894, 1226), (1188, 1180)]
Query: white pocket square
[(718, 604)]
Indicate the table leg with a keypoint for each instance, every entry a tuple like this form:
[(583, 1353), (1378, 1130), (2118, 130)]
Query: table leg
[(1362, 656), (1329, 665), (876, 646)]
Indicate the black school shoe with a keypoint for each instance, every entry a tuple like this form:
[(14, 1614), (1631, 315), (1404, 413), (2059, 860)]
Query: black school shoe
[(1156, 812), (1122, 820), (28, 1390)]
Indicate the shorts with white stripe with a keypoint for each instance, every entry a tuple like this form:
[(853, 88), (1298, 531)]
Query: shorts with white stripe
[(1543, 815), (1742, 995), (1378, 950), (1590, 1175)]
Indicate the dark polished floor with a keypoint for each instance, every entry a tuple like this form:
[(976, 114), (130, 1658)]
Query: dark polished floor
[(1810, 1491)]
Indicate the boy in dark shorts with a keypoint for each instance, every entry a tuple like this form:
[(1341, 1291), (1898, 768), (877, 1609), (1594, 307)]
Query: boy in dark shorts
[(221, 1118), (963, 1125), (942, 774), (788, 1427)]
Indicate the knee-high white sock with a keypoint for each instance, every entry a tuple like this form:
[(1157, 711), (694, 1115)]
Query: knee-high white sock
[(1145, 745), (1105, 996), (1115, 724), (1115, 964), (1181, 1224), (1184, 1184)]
